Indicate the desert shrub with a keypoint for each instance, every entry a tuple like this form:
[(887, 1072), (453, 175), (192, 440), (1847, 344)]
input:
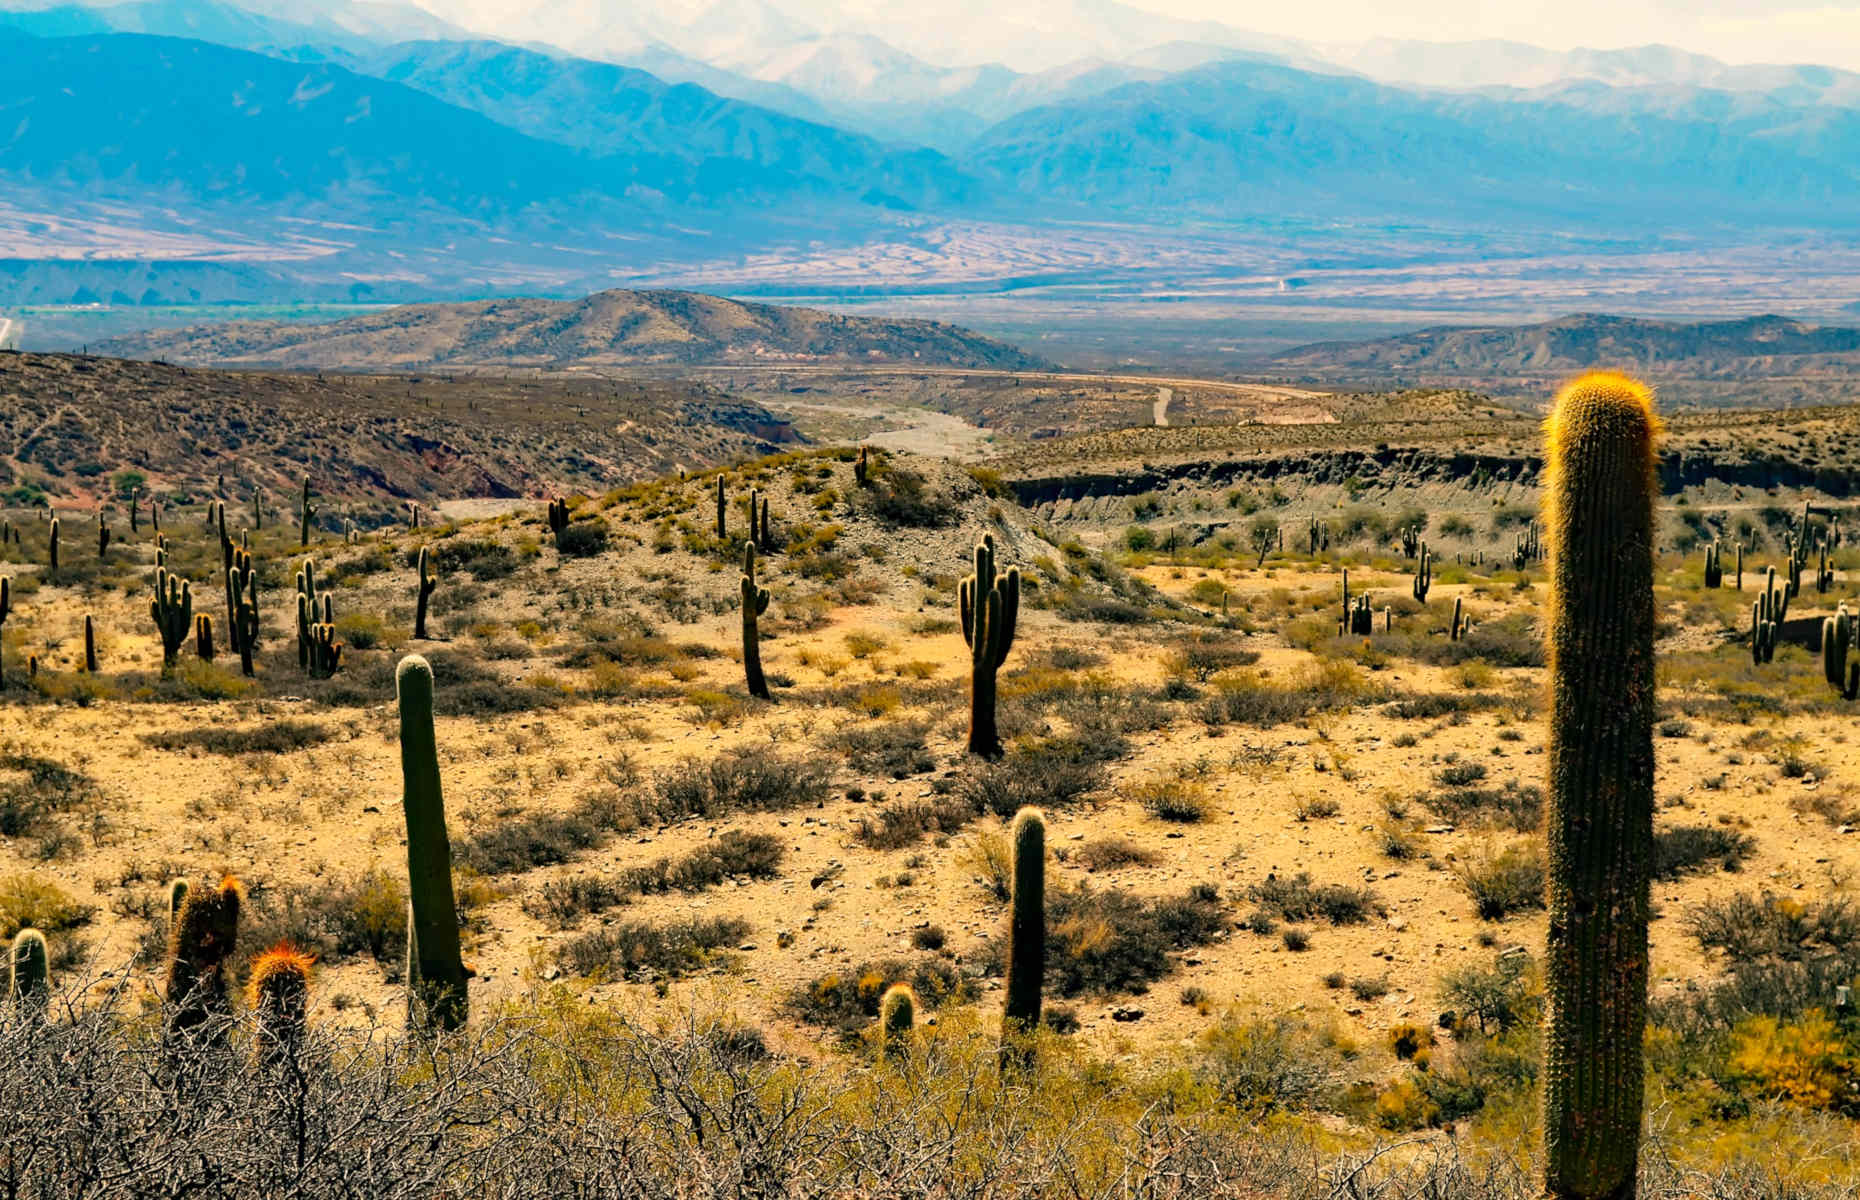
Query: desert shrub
[(1511, 805), (901, 496), (1496, 998), (541, 839), (480, 558), (1030, 774), (1509, 881), (742, 780), (990, 857), (1460, 774), (1251, 698), (334, 919), (274, 737), (1751, 928), (929, 937), (28, 901), (897, 749), (1298, 899), (635, 950), (1261, 1063), (906, 822), (36, 792), (1202, 659), (1115, 941), (1369, 987), (1812, 1061), (733, 855), (847, 1001), (1109, 853), (1168, 798), (583, 539), (1686, 848)]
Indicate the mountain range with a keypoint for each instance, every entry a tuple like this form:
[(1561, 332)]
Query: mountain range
[(609, 328)]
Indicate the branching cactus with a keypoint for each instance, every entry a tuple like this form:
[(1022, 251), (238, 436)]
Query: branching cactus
[(436, 998), (242, 589), (1599, 510), (425, 593), (306, 611), (1458, 629), (1026, 966), (201, 941), (172, 610), (1762, 635), (278, 995), (755, 603), (28, 984), (325, 650), (755, 518), (558, 516), (897, 1018), (990, 610), (1423, 574)]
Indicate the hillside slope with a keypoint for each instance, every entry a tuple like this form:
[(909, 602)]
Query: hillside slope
[(612, 327)]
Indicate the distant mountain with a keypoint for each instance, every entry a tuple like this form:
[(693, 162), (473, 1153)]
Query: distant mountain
[(607, 109), (244, 26), (1243, 136), (1746, 349), (615, 327)]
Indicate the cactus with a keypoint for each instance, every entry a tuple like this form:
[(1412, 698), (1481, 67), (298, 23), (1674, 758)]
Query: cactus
[(135, 505), (1714, 567), (1026, 966), (325, 650), (306, 611), (897, 1017), (1762, 635), (155, 516), (1598, 503), (201, 941), (177, 896), (558, 517), (90, 645), (755, 603), (1423, 574), (172, 610), (278, 995), (990, 609), (203, 637), (862, 468), (755, 518), (242, 594), (427, 583), (1840, 665), (103, 536), (53, 544), (6, 610), (436, 998), (28, 983), (722, 525), (1411, 541), (1458, 630), (1824, 572), (306, 512)]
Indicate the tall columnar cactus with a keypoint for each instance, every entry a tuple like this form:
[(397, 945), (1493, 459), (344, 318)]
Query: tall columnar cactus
[(436, 998), (1423, 574), (722, 524), (1411, 541), (103, 536), (897, 1017), (52, 544), (201, 942), (1714, 567), (558, 516), (155, 515), (28, 984), (325, 650), (306, 512), (1026, 966), (1762, 633), (1598, 507), (90, 644), (1458, 629), (755, 603), (242, 594), (258, 507), (862, 468), (1824, 571), (990, 610), (203, 637), (306, 611), (172, 610), (424, 593), (135, 506), (278, 995), (6, 610), (755, 518)]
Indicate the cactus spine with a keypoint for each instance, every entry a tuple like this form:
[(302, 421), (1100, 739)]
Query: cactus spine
[(28, 983), (436, 998), (1599, 502), (426, 585), (990, 610), (172, 610), (897, 1017), (755, 603), (278, 995), (1026, 968), (200, 943)]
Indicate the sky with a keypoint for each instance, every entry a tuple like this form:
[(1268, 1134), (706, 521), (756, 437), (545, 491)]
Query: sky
[(1738, 31)]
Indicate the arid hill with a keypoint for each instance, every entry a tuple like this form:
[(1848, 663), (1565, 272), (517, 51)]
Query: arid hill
[(607, 328), (1754, 358), (72, 425)]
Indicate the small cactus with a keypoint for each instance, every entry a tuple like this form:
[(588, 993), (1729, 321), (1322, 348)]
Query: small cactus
[(200, 944), (755, 603), (278, 994), (425, 592), (28, 984), (558, 516), (897, 1018), (172, 610), (436, 998), (1026, 966), (989, 605)]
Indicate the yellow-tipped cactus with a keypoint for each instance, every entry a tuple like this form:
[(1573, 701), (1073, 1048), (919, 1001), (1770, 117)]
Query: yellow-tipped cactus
[(200, 943), (897, 1017), (1598, 507), (28, 984), (278, 993)]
